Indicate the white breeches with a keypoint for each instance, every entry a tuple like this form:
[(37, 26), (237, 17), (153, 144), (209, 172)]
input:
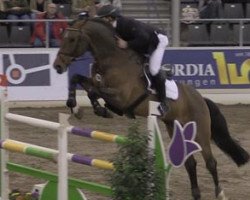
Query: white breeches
[(157, 55)]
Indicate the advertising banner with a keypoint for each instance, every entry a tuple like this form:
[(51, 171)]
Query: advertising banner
[(30, 75), (211, 69), (204, 69)]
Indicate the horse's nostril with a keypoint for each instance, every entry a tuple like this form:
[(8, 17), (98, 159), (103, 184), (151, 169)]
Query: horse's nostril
[(59, 69)]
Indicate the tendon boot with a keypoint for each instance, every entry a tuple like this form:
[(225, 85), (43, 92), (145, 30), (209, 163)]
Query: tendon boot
[(159, 82)]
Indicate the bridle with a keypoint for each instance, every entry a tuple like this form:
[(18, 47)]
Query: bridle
[(75, 46)]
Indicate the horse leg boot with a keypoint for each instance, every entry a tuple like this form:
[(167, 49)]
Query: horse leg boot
[(159, 81), (71, 101), (98, 109), (76, 79)]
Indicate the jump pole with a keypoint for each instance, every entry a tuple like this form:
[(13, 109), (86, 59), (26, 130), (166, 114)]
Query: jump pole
[(62, 147), (4, 193), (157, 141), (52, 154)]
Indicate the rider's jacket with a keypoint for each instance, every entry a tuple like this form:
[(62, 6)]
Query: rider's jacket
[(141, 37)]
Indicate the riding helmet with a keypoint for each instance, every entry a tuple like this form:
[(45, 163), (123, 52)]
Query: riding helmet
[(107, 10)]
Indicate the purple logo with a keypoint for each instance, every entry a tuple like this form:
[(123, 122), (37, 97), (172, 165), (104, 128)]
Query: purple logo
[(27, 69), (182, 144)]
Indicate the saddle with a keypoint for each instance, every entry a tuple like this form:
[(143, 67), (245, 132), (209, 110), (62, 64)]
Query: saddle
[(148, 78)]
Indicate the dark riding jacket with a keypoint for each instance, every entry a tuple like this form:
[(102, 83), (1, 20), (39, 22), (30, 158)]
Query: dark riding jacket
[(141, 37)]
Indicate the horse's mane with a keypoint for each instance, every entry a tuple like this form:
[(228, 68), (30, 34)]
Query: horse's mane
[(80, 23), (104, 23), (101, 29)]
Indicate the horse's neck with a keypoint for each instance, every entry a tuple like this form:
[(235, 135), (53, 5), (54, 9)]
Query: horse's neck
[(106, 52), (102, 40), (101, 49)]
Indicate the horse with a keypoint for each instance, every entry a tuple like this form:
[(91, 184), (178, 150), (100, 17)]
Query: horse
[(117, 78)]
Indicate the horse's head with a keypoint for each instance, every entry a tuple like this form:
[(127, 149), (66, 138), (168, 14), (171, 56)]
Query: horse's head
[(95, 35), (74, 44)]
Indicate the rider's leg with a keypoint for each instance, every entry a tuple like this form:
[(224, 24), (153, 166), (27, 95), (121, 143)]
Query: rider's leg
[(159, 81), (159, 76)]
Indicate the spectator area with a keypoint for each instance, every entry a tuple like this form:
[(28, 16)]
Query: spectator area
[(19, 35), (220, 33), (65, 9), (217, 34), (198, 33), (15, 36)]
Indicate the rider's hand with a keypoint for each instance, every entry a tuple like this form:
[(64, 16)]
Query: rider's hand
[(121, 43)]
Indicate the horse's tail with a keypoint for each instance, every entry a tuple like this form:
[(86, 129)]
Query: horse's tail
[(222, 138)]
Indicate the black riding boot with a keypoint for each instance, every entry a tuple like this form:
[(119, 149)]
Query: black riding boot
[(159, 81)]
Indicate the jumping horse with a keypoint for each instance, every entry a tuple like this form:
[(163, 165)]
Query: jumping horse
[(117, 78)]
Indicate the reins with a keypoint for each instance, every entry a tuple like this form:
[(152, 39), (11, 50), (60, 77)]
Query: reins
[(76, 30)]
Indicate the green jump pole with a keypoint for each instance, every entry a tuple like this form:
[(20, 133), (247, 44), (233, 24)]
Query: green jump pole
[(73, 183)]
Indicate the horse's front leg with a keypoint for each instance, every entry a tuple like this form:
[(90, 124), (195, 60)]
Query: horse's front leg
[(98, 109), (74, 81), (87, 85)]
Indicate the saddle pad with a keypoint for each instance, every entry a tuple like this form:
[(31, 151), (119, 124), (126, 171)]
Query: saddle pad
[(171, 89), (170, 86)]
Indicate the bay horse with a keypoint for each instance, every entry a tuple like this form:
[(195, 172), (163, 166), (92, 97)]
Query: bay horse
[(117, 78)]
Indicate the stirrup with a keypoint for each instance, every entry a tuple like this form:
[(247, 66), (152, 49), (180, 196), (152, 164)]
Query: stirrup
[(163, 108)]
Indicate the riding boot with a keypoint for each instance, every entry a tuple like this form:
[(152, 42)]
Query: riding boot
[(159, 81)]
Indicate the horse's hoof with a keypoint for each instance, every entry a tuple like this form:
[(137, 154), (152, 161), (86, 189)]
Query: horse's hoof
[(197, 198), (102, 112), (71, 102), (108, 114), (79, 113), (222, 196), (196, 194)]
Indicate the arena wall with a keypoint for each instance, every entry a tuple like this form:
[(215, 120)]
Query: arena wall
[(222, 74)]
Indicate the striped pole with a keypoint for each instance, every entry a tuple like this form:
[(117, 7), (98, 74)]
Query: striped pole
[(51, 154), (99, 135), (84, 132)]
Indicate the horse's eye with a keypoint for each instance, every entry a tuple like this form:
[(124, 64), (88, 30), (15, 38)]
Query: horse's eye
[(71, 40)]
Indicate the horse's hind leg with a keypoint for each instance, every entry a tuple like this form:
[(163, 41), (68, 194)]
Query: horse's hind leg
[(190, 165), (211, 165)]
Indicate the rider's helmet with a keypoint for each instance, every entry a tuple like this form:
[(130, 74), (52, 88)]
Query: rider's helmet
[(108, 10)]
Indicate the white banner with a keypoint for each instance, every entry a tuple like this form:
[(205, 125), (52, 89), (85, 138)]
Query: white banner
[(31, 76)]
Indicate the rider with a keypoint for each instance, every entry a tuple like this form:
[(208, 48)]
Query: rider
[(145, 40)]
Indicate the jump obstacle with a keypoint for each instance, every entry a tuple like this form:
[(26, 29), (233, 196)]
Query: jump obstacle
[(56, 186)]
